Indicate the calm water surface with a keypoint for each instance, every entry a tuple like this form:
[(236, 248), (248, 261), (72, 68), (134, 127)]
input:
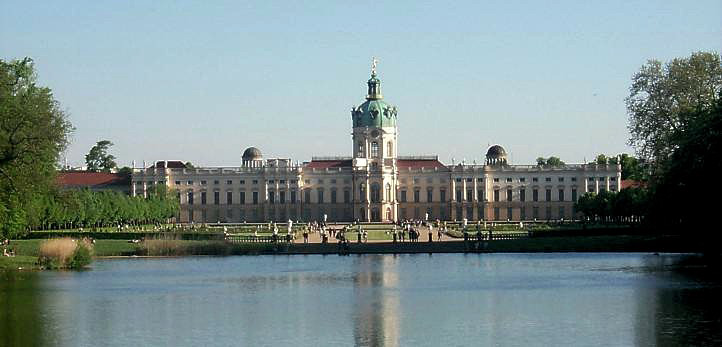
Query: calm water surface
[(370, 300)]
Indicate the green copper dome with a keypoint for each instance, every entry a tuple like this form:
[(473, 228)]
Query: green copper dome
[(374, 112)]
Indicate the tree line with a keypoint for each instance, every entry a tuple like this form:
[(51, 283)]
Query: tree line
[(87, 209), (626, 206)]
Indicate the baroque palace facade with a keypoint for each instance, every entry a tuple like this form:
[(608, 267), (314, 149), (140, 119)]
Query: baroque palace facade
[(376, 184)]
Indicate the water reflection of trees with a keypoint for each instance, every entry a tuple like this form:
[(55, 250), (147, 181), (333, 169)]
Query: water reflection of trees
[(20, 309), (680, 306)]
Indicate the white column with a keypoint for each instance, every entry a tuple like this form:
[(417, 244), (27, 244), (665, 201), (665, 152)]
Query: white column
[(453, 189), (596, 185), (474, 194)]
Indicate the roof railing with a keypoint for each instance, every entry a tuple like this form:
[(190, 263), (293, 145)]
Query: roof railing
[(329, 158), (418, 157)]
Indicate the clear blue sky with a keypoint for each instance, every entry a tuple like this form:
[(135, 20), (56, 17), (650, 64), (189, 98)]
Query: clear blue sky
[(200, 81)]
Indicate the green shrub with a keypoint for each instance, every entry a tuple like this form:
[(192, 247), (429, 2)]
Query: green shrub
[(81, 257), (65, 253)]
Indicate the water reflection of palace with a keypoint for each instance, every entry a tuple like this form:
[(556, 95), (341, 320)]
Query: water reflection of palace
[(375, 183), (376, 298)]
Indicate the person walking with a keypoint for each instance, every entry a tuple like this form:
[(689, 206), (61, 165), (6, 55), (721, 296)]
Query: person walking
[(305, 235)]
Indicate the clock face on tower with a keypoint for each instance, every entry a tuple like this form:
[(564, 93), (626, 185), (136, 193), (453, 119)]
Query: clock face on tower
[(375, 133)]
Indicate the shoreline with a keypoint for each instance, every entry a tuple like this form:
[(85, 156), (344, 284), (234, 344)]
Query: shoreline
[(551, 244)]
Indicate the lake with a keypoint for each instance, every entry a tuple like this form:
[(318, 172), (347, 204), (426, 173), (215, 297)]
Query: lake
[(544, 299)]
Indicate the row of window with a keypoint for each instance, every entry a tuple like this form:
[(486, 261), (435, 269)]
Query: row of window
[(533, 179), (535, 195), (333, 181), (561, 213), (228, 182), (140, 183), (273, 198), (415, 180), (520, 213), (480, 195), (281, 196)]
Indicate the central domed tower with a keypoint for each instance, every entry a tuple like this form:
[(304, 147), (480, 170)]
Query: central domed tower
[(374, 126), (374, 155)]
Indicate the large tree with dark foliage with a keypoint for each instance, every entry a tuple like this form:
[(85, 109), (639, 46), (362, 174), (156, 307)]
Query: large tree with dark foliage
[(685, 194), (33, 132), (666, 100), (676, 122)]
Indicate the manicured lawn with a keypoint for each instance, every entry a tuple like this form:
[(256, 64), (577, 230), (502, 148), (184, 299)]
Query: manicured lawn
[(373, 235), (24, 262), (105, 248)]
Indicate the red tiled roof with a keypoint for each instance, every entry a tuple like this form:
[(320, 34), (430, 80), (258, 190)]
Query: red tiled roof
[(324, 164), (91, 179), (632, 184), (401, 163), (416, 164)]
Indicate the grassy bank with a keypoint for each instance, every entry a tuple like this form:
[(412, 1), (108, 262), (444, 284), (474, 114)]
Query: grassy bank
[(27, 251), (20, 262)]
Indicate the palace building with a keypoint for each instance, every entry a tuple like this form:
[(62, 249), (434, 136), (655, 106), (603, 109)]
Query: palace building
[(375, 183)]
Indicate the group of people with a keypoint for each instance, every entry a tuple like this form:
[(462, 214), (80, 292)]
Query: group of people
[(7, 251), (412, 228), (409, 230)]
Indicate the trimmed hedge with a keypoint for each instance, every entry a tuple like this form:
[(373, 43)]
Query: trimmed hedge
[(123, 235)]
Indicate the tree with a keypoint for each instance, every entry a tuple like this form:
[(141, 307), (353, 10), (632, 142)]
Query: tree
[(98, 159), (601, 159), (33, 132), (125, 171), (687, 176), (664, 101), (189, 165), (632, 168), (549, 162), (554, 162)]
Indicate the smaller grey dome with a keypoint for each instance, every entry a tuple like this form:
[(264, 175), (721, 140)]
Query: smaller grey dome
[(252, 153), (496, 155), (495, 152)]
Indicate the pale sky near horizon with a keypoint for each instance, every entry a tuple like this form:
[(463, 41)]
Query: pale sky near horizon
[(201, 81)]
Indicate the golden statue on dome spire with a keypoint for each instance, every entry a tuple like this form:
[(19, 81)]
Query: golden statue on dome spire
[(374, 61)]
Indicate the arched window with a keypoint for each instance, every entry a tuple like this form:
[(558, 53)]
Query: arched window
[(389, 149), (361, 149), (375, 193), (362, 191), (388, 192), (374, 149)]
